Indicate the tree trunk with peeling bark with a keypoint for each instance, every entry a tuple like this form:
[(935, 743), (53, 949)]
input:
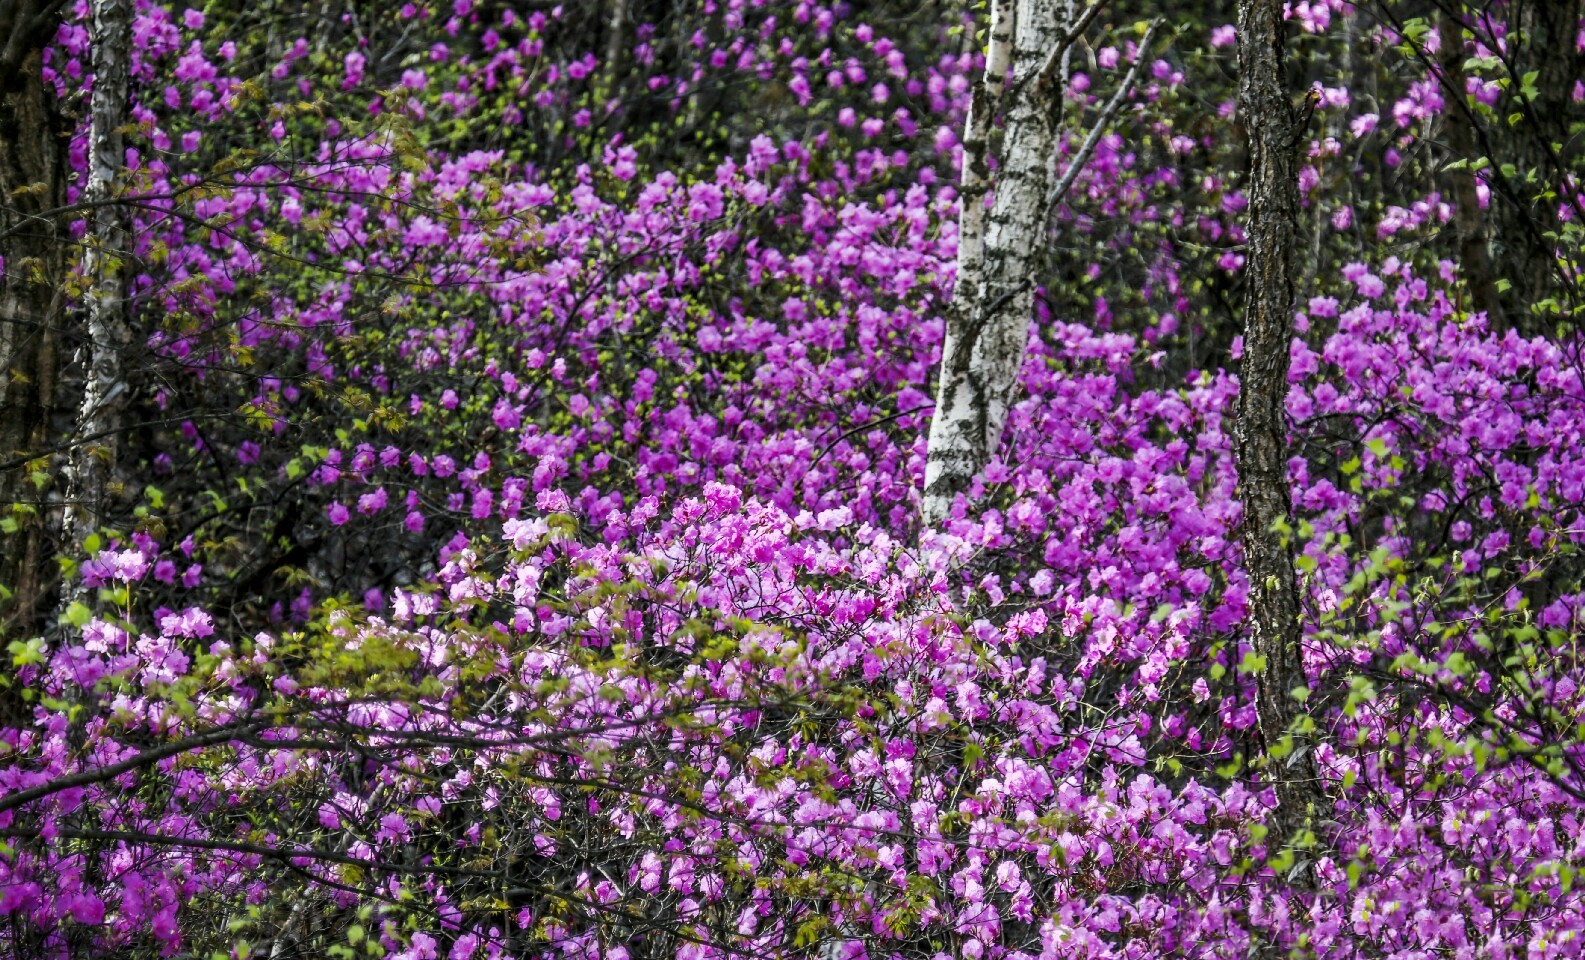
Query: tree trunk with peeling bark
[(33, 142), (92, 474), (999, 249), (616, 42), (1260, 434)]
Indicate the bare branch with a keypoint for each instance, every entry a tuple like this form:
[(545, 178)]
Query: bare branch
[(1087, 149), (1048, 70), (87, 778)]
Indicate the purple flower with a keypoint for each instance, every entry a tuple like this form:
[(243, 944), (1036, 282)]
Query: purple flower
[(370, 503), (127, 565), (86, 908), (191, 622), (393, 826)]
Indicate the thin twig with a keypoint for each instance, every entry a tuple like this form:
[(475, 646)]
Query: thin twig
[(1048, 70), (865, 426), (1112, 106)]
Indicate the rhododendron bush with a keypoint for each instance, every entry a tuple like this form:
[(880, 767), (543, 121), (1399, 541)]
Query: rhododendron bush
[(518, 550)]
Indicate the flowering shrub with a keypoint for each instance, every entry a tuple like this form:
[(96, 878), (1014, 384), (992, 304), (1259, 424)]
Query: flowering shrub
[(530, 567)]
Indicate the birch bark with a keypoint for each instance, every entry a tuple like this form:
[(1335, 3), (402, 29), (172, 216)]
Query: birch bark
[(616, 42), (92, 470), (975, 181), (988, 325)]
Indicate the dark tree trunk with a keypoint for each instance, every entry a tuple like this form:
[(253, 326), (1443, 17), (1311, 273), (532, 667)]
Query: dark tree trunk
[(1527, 223), (1260, 434), (1363, 56), (1459, 133), (33, 141)]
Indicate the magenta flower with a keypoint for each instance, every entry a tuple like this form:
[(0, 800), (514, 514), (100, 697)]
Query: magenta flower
[(86, 908), (191, 622)]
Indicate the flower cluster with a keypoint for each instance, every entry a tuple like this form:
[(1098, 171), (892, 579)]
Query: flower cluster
[(575, 605)]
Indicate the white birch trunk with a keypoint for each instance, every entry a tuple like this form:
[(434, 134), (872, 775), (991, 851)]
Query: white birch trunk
[(92, 466), (988, 325), (616, 42), (975, 180)]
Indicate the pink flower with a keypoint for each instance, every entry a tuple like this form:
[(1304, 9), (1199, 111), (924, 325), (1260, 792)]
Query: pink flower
[(552, 501), (191, 622), (127, 565), (393, 826), (86, 908), (507, 415)]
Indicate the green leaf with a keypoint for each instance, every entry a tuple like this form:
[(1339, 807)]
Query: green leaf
[(78, 614), (1415, 30), (24, 654)]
